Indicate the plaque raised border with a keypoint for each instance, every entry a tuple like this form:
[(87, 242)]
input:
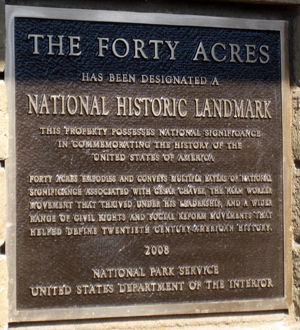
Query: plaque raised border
[(16, 315)]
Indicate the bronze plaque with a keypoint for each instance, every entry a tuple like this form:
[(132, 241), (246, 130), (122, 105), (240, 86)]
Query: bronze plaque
[(148, 164)]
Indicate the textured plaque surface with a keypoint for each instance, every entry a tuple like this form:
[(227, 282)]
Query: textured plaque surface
[(148, 164)]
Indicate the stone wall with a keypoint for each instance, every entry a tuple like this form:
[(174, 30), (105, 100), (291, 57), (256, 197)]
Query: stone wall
[(268, 9), (3, 156)]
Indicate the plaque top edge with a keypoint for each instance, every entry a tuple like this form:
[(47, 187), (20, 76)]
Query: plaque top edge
[(144, 18)]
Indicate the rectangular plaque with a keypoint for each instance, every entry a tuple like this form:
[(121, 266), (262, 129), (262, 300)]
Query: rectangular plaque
[(148, 164)]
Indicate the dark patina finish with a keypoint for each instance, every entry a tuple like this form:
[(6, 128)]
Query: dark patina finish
[(149, 164)]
